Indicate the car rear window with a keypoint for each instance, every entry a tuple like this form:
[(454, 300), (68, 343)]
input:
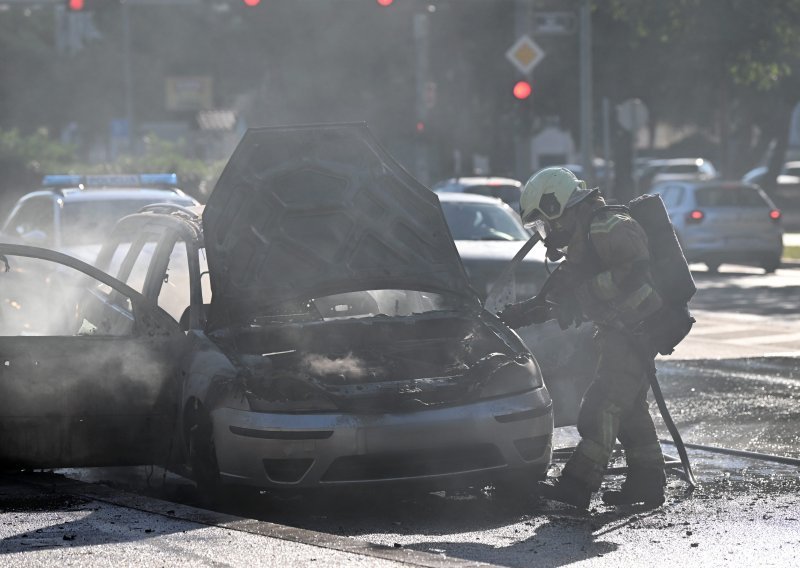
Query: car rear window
[(730, 196), (672, 195), (679, 169)]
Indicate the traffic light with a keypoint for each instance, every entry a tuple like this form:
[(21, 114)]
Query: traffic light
[(522, 90), (89, 5), (385, 3), (251, 3)]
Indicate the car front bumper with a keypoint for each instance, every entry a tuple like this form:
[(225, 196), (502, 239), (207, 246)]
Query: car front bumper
[(480, 440)]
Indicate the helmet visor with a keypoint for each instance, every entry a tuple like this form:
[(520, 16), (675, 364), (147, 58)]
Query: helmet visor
[(539, 225)]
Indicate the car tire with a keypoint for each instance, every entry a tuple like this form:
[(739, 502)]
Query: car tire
[(713, 267), (770, 266), (202, 455)]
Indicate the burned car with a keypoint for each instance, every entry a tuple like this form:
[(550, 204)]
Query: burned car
[(321, 327)]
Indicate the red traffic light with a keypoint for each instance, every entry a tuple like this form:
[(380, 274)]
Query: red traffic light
[(522, 90), (251, 3), (76, 5), (385, 3)]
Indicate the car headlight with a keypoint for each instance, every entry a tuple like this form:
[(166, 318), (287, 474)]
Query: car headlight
[(513, 377)]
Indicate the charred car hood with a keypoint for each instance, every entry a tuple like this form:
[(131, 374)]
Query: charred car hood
[(307, 211), (497, 251)]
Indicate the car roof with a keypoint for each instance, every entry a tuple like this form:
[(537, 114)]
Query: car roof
[(479, 180), (468, 198), (677, 162), (699, 184), (74, 194)]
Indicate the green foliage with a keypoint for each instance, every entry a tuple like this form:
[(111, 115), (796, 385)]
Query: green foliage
[(197, 177), (36, 152), (24, 159)]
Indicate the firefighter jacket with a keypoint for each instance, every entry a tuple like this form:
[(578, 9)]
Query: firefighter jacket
[(609, 256)]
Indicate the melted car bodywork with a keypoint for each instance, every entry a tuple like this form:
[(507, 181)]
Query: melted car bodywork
[(377, 366), (303, 212)]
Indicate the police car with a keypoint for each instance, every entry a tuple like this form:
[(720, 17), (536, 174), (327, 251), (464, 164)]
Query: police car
[(73, 213)]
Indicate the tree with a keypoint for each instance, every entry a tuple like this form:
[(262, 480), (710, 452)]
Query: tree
[(732, 64)]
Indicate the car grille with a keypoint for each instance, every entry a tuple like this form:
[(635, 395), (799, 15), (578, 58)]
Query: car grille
[(287, 470), (419, 463), (532, 448)]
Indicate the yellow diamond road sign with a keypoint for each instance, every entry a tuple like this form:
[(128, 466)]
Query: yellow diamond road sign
[(525, 54)]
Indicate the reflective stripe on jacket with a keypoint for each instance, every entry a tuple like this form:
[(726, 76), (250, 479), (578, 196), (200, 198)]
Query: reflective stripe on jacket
[(619, 289)]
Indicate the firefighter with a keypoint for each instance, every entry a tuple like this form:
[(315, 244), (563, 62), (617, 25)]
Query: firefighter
[(605, 278)]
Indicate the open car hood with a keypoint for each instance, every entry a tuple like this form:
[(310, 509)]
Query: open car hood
[(307, 211)]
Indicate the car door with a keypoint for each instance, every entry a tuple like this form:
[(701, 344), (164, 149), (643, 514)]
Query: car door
[(87, 366)]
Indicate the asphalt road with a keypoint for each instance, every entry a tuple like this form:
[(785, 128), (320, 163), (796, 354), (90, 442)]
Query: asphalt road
[(722, 390), (742, 312)]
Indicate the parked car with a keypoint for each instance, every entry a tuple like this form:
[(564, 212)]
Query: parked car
[(488, 234), (506, 189), (790, 169), (721, 222), (74, 213), (675, 169), (312, 326), (787, 190)]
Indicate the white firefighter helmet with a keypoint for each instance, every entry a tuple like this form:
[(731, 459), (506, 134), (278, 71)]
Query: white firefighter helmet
[(549, 193)]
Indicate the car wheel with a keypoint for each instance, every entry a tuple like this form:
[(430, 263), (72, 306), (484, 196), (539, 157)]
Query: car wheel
[(713, 267), (771, 265), (203, 455)]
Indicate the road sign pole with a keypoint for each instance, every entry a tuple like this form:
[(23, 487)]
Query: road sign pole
[(422, 48)]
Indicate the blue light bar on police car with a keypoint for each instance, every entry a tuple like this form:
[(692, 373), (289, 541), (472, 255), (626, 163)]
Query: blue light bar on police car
[(61, 180), (158, 179), (110, 180)]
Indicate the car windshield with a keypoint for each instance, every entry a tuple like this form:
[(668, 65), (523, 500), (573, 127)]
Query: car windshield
[(679, 169), (363, 304), (483, 222), (89, 222)]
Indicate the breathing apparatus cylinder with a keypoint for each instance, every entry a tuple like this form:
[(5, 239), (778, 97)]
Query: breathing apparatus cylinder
[(668, 265)]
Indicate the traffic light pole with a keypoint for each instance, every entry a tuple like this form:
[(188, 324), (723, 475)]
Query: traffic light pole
[(422, 48), (523, 23), (128, 79)]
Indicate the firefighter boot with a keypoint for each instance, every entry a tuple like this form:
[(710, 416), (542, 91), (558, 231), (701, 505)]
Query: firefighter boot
[(640, 486), (566, 489)]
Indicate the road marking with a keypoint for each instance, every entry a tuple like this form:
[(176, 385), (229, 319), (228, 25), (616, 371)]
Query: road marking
[(765, 339), (719, 329)]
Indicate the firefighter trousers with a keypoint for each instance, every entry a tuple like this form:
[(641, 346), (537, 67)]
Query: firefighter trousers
[(615, 407)]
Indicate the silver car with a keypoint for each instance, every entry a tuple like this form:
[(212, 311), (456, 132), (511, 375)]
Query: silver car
[(488, 233), (721, 222), (508, 190), (74, 213), (315, 325)]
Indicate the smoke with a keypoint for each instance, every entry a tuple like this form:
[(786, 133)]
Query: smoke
[(77, 377), (350, 366)]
